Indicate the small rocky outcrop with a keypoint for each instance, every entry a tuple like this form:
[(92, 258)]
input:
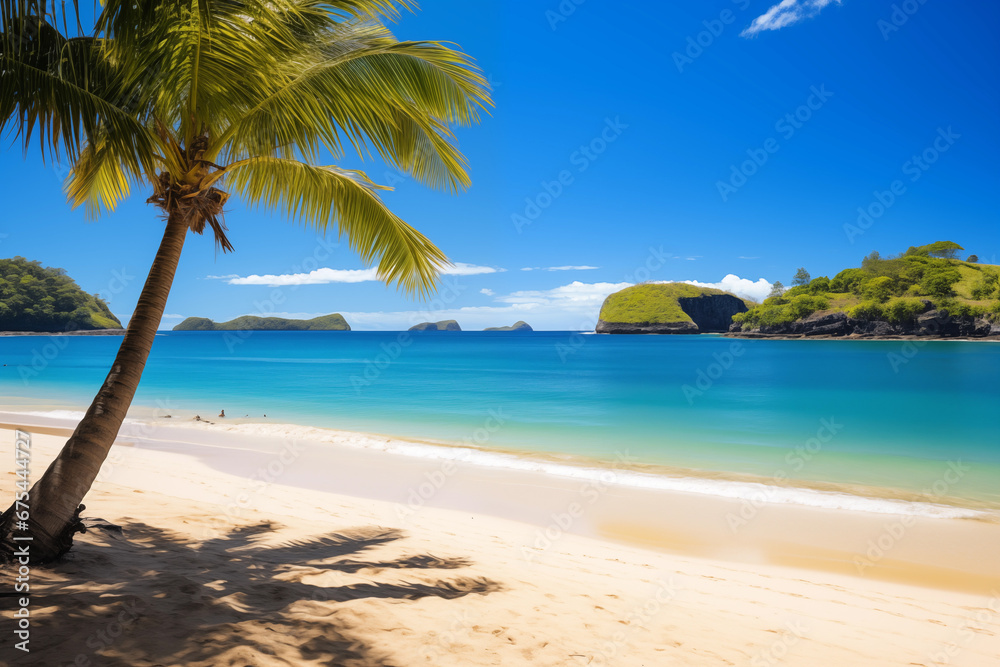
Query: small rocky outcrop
[(443, 325), (520, 325)]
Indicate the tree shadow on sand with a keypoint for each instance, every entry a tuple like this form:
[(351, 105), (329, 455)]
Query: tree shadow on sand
[(162, 598)]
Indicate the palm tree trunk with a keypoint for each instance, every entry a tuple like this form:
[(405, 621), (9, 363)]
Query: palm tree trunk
[(54, 500)]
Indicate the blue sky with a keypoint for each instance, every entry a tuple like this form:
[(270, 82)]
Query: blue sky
[(693, 140)]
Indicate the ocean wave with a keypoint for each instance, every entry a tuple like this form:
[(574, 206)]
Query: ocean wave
[(752, 492), (756, 493)]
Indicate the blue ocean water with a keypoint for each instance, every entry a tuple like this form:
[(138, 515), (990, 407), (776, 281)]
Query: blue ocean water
[(875, 413)]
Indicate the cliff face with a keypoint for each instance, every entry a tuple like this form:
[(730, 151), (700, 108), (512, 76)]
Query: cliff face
[(712, 313), (670, 308), (932, 324)]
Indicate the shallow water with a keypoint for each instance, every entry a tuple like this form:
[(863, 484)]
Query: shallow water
[(920, 417)]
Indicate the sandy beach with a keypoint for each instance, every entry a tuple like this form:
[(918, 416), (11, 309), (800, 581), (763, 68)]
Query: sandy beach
[(238, 549)]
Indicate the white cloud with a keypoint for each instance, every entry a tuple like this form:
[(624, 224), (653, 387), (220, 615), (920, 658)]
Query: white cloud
[(583, 267), (327, 275), (570, 307), (743, 287), (576, 296), (460, 269), (785, 13)]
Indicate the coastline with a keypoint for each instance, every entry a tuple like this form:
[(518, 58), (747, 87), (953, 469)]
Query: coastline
[(994, 338), (736, 517), (74, 332), (283, 550)]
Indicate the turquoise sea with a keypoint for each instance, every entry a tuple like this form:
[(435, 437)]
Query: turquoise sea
[(919, 418)]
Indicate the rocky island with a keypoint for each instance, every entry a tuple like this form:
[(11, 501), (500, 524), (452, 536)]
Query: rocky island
[(443, 325), (332, 322), (520, 325), (669, 308)]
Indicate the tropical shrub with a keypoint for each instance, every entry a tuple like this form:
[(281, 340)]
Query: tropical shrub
[(819, 285), (879, 289), (849, 280), (986, 286), (938, 281), (867, 310), (899, 311)]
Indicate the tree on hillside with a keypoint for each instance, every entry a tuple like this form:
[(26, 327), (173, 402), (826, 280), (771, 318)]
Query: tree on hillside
[(871, 261), (196, 102), (972, 259), (802, 277), (777, 289), (944, 249)]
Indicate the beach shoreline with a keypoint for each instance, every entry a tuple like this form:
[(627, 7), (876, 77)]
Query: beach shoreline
[(229, 538), (740, 517)]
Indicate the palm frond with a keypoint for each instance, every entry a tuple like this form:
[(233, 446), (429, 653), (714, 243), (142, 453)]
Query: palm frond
[(63, 92), (324, 196), (360, 87)]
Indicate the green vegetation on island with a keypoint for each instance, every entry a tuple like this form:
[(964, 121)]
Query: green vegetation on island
[(38, 298), (443, 325), (332, 322), (894, 289), (668, 308), (520, 325)]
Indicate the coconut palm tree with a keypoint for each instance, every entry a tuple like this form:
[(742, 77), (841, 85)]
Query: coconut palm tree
[(198, 100)]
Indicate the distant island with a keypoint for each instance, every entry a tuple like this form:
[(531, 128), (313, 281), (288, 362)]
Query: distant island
[(520, 325), (36, 298), (669, 308), (443, 325), (332, 322), (925, 291)]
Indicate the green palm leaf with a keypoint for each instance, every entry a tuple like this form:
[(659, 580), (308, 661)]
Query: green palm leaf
[(324, 196)]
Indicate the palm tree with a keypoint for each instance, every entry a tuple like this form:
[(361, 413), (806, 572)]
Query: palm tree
[(202, 99)]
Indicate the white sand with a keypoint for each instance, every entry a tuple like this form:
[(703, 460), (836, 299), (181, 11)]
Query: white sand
[(221, 567)]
